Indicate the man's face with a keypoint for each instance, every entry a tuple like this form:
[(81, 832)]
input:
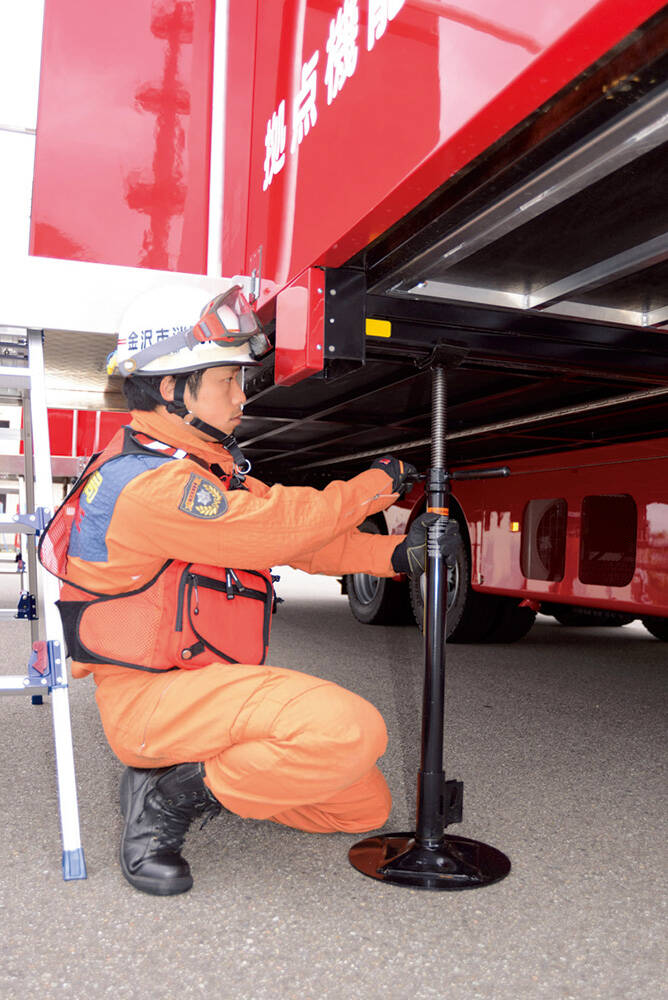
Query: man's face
[(219, 399)]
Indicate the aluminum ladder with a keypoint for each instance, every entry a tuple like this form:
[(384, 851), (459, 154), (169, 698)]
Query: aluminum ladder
[(46, 672)]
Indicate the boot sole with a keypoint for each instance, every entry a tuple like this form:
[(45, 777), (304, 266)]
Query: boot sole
[(152, 886)]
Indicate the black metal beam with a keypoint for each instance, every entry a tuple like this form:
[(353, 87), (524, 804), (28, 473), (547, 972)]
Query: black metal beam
[(420, 324)]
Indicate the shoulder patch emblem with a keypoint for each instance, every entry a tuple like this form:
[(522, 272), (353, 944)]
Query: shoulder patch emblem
[(202, 498)]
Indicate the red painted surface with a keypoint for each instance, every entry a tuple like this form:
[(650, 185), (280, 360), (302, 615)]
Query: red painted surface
[(238, 123), (123, 139), (442, 83), (639, 470), (94, 430), (300, 333), (123, 133)]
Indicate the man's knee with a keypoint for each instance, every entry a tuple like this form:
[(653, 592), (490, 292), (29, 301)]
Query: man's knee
[(342, 729)]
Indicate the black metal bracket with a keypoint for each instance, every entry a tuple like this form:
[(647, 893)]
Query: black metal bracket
[(345, 315), (453, 802), (27, 606), (445, 356)]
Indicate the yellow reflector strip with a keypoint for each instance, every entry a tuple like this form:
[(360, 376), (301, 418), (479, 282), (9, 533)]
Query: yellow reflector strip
[(378, 328), (514, 525)]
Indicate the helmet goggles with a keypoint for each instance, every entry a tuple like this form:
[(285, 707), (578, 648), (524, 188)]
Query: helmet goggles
[(227, 321)]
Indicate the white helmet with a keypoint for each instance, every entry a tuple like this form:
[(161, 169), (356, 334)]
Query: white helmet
[(159, 333)]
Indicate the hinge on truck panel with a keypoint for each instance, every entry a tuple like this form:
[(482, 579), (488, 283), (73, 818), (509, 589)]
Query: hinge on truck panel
[(255, 263)]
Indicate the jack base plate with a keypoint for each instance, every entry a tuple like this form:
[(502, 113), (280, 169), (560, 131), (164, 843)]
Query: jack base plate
[(452, 863)]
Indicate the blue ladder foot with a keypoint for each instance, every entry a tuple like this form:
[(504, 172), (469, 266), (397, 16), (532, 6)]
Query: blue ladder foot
[(74, 865)]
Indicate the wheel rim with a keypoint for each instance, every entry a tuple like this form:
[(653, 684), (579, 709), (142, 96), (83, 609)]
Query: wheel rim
[(366, 587), (453, 585)]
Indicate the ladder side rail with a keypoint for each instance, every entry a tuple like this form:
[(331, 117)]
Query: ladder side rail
[(29, 544), (73, 857)]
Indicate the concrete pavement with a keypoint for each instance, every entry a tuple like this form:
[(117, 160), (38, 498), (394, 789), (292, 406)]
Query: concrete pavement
[(560, 742)]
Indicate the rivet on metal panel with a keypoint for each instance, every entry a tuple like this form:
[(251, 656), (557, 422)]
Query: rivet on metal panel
[(332, 291), (332, 348)]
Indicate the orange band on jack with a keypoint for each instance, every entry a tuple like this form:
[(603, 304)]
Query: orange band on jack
[(438, 510)]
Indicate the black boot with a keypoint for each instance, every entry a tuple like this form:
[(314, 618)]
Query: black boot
[(159, 805)]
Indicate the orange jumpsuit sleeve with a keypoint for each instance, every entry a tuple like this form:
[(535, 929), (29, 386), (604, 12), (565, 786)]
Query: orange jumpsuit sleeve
[(353, 552), (256, 528)]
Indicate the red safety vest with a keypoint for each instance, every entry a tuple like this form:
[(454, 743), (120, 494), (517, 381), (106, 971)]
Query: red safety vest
[(188, 615)]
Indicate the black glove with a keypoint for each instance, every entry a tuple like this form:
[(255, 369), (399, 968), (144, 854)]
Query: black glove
[(410, 556), (398, 471)]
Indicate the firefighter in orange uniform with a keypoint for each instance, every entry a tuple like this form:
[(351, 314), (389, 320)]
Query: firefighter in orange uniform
[(163, 547)]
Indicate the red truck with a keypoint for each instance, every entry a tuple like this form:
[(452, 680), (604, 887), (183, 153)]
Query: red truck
[(581, 535), (391, 178)]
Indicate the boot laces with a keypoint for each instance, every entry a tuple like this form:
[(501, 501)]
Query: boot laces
[(174, 817)]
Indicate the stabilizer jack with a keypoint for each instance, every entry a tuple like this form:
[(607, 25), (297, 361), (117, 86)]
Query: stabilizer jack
[(427, 858)]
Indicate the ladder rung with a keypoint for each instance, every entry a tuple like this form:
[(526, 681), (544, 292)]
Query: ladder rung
[(21, 684), (14, 378), (62, 466)]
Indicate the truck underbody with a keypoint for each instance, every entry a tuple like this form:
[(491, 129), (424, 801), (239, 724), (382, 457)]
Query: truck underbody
[(542, 268)]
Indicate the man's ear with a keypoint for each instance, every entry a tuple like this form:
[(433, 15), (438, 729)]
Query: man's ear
[(167, 388)]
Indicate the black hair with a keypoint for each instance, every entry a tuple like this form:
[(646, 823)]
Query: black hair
[(140, 390)]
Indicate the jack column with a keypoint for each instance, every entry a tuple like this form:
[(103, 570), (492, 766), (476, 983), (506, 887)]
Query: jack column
[(427, 858)]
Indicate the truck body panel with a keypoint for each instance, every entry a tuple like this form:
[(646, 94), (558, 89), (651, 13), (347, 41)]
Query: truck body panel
[(123, 134), (401, 178), (619, 560), (335, 162)]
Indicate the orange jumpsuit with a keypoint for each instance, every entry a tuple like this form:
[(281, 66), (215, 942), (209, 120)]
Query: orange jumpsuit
[(276, 744)]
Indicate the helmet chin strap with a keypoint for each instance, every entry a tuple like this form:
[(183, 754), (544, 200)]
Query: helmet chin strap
[(241, 464)]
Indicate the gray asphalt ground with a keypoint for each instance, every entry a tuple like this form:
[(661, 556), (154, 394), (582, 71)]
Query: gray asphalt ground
[(560, 742)]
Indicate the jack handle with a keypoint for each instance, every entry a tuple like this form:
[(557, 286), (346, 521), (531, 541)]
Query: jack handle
[(501, 473)]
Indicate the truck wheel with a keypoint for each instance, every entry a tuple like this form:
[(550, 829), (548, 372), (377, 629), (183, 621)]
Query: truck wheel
[(513, 622), (473, 617), (376, 600), (587, 617), (658, 627)]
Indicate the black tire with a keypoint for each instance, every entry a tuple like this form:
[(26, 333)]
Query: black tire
[(376, 600), (587, 617), (658, 627), (513, 621), (473, 617)]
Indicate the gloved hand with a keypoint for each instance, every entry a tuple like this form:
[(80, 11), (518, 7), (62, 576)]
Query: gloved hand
[(398, 470), (410, 556)]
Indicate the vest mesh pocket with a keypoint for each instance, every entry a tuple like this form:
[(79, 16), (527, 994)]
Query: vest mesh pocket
[(122, 630)]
